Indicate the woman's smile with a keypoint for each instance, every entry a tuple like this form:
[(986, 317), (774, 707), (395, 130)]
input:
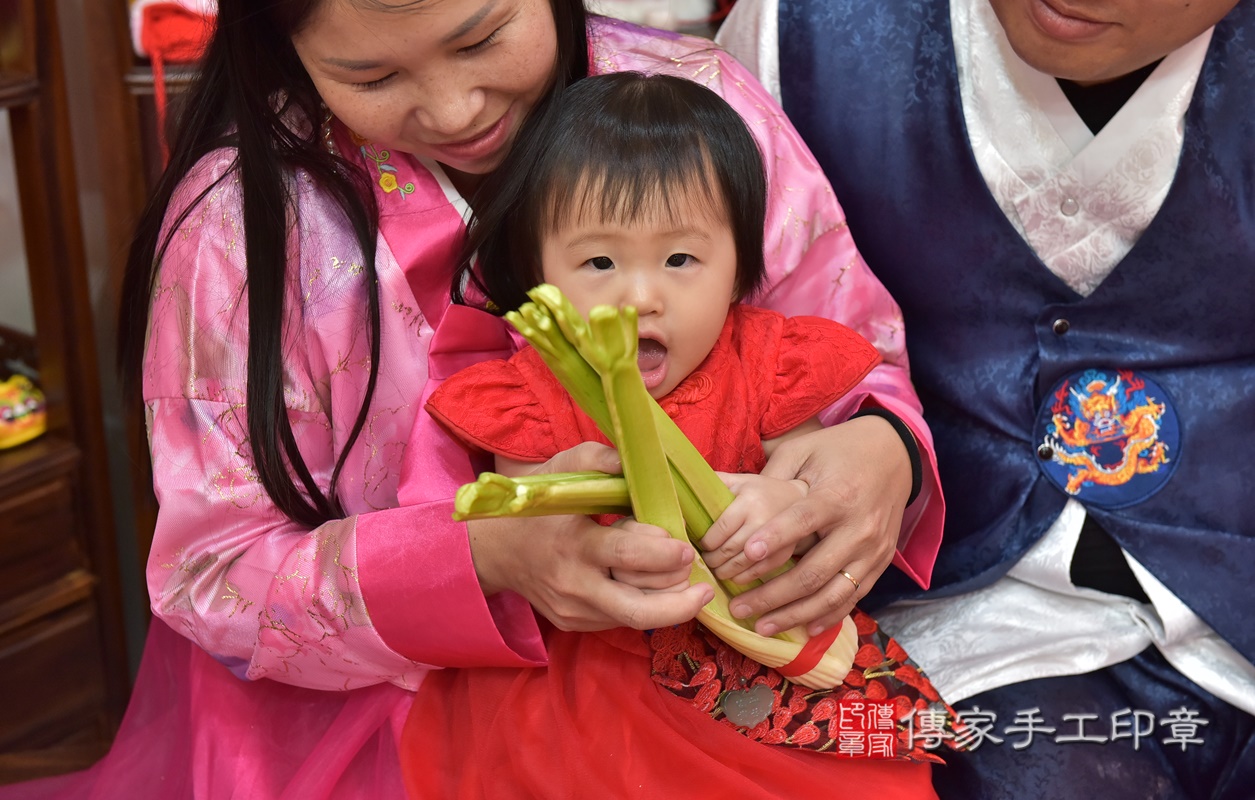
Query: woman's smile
[(481, 147)]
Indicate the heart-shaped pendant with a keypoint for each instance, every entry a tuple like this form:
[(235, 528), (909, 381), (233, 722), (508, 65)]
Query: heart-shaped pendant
[(748, 707)]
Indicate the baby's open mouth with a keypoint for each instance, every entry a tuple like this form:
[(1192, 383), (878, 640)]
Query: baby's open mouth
[(651, 357), (650, 354)]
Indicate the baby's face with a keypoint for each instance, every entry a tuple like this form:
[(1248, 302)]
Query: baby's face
[(678, 270)]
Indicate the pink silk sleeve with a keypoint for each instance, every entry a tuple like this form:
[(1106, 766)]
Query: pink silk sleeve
[(814, 267), (375, 597)]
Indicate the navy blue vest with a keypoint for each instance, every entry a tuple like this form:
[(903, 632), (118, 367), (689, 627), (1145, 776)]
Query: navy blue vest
[(871, 86)]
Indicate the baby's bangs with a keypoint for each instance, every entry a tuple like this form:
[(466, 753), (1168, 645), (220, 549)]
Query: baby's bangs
[(627, 191)]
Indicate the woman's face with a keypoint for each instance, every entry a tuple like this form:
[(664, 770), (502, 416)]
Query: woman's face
[(1092, 41), (450, 80)]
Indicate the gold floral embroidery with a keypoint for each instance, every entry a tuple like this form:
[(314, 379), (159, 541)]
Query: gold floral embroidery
[(387, 173)]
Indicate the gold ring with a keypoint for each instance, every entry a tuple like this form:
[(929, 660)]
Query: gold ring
[(852, 579)]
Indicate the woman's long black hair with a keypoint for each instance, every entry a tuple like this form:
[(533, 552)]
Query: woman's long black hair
[(250, 86), (611, 146)]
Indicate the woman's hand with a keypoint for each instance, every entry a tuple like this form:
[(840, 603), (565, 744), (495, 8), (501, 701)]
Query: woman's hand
[(566, 566), (652, 580), (758, 499), (859, 477)]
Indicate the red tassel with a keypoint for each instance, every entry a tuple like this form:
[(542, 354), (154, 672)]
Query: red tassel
[(170, 33)]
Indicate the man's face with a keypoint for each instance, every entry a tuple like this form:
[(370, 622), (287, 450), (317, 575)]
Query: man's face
[(1092, 41)]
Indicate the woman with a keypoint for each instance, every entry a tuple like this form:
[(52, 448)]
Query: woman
[(286, 303)]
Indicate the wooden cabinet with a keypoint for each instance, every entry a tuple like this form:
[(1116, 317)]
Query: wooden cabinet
[(51, 656), (63, 668)]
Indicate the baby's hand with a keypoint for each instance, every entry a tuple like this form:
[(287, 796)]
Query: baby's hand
[(758, 499)]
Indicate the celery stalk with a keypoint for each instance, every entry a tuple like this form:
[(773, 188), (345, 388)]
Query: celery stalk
[(611, 351), (612, 347), (596, 362), (561, 336), (494, 495)]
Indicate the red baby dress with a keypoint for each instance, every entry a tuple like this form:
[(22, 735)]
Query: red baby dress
[(622, 712)]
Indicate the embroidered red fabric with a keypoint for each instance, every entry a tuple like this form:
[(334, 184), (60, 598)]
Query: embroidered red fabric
[(697, 666), (766, 375)]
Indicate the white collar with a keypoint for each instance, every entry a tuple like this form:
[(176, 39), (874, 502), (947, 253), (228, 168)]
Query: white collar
[(1080, 201), (1018, 104)]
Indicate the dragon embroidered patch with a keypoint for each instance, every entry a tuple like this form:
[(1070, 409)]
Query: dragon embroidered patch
[(1108, 437)]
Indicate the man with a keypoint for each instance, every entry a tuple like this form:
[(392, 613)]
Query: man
[(1061, 196)]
